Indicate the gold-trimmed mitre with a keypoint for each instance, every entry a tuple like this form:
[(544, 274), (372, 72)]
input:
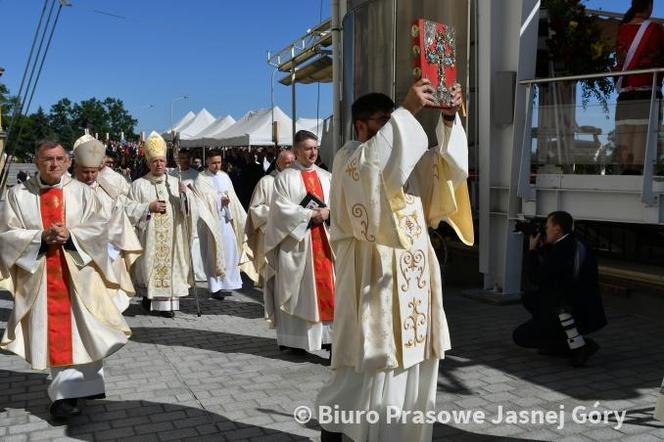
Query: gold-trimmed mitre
[(90, 153), (154, 147)]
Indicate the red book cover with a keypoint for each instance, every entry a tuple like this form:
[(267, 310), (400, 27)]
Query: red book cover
[(434, 57)]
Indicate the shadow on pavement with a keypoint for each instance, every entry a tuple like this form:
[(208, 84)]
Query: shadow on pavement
[(220, 342), (209, 307), (142, 420), (629, 360)]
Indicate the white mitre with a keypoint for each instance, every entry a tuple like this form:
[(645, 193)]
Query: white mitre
[(89, 153), (154, 147), (84, 139)]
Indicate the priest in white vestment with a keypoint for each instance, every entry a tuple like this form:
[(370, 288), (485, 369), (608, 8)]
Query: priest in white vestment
[(114, 179), (299, 288), (54, 252), (214, 186), (390, 327), (162, 273), (259, 211), (205, 260), (123, 244)]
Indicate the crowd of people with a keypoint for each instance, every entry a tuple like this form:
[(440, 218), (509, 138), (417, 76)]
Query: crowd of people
[(343, 258)]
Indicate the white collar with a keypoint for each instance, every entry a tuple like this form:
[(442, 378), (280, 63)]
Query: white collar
[(299, 166), (43, 185), (561, 238)]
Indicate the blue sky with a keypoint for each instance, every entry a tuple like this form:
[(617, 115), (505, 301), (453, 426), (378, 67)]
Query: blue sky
[(155, 51), (211, 51)]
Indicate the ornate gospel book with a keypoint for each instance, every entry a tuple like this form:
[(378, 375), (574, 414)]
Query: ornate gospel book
[(434, 57)]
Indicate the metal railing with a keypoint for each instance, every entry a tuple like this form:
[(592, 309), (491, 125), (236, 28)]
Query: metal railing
[(647, 195)]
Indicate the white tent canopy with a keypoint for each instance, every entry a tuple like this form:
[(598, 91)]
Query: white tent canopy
[(182, 122), (217, 127), (202, 120), (311, 124), (254, 129)]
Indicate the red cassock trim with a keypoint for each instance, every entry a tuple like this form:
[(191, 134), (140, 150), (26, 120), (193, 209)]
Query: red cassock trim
[(57, 284), (323, 267)]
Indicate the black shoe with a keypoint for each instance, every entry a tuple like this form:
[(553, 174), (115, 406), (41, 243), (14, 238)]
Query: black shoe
[(146, 303), (167, 314), (64, 408), (219, 294), (297, 351), (328, 436), (581, 355)]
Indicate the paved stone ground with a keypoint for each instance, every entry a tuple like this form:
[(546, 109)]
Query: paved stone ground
[(221, 377)]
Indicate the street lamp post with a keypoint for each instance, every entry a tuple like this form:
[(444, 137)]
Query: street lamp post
[(175, 100), (2, 71)]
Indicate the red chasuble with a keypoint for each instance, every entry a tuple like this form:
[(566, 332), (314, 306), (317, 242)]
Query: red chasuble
[(57, 284), (323, 268)]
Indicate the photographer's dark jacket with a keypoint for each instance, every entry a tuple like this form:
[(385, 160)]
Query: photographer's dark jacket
[(565, 274)]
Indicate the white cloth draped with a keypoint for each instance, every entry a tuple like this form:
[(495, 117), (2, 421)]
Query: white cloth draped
[(206, 246), (389, 317), (230, 221), (124, 246), (291, 303), (403, 389), (113, 182), (98, 328), (659, 405), (79, 381), (257, 217), (162, 271)]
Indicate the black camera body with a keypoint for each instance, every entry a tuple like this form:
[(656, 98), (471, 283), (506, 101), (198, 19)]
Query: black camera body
[(530, 227)]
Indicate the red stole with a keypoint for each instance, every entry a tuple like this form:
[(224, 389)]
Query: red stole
[(323, 267), (58, 303)]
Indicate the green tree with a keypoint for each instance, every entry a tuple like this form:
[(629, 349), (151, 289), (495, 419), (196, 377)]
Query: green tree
[(31, 129), (90, 114), (66, 121), (60, 120), (8, 104), (119, 119)]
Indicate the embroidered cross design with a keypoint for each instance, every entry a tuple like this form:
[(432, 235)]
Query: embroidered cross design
[(415, 321)]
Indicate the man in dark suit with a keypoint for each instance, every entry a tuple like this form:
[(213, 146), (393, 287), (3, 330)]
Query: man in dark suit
[(564, 296)]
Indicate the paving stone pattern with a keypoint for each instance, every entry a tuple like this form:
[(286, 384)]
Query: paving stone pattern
[(222, 377)]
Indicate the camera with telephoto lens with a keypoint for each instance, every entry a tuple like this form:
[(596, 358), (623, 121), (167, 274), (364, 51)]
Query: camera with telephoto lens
[(530, 227)]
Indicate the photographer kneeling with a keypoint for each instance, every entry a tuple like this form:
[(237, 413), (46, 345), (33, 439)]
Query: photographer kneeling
[(564, 298)]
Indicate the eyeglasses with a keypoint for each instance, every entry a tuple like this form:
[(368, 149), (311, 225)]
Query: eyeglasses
[(53, 159)]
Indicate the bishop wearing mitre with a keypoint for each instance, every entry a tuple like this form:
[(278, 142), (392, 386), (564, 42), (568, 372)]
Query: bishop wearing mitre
[(54, 251), (259, 213), (162, 273), (123, 244), (299, 292), (388, 188)]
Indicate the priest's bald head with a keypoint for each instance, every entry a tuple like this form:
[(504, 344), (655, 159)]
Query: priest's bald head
[(285, 159), (51, 161), (370, 113), (305, 146)]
